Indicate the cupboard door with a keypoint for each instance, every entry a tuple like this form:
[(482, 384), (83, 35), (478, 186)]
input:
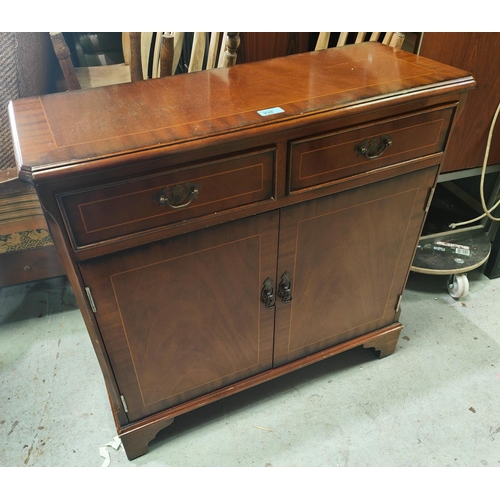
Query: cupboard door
[(183, 316), (348, 257)]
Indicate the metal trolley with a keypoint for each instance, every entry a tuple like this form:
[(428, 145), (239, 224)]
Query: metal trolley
[(456, 252)]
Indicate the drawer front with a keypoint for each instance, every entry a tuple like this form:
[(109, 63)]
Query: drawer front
[(124, 208), (331, 157)]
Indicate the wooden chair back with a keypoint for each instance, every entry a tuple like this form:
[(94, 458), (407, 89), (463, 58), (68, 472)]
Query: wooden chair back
[(98, 76), (148, 55), (393, 39), (208, 51)]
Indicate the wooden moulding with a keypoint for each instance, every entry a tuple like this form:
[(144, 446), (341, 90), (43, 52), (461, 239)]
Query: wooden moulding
[(136, 437)]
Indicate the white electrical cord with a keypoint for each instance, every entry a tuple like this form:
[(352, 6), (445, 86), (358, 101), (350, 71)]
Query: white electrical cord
[(487, 211)]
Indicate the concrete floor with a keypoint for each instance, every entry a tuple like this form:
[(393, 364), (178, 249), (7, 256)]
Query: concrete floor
[(434, 403)]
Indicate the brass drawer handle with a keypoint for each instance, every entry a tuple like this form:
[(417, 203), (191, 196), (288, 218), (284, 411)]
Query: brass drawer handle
[(374, 147), (267, 294), (177, 196)]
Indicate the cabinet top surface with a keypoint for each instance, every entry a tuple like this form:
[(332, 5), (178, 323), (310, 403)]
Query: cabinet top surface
[(74, 127)]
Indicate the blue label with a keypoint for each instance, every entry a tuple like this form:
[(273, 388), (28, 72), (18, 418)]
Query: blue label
[(270, 111)]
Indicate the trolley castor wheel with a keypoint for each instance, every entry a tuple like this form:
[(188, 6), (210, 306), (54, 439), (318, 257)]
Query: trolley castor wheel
[(453, 256), (458, 285)]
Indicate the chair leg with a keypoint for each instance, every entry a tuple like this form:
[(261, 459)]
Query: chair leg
[(64, 57), (397, 40), (135, 56), (323, 39), (212, 49), (167, 54), (197, 52), (231, 52)]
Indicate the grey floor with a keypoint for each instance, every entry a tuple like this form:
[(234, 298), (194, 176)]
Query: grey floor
[(434, 403)]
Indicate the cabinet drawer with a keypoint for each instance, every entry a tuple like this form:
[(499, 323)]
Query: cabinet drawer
[(340, 154), (119, 209)]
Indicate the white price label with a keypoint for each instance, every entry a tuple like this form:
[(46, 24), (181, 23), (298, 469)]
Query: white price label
[(270, 111)]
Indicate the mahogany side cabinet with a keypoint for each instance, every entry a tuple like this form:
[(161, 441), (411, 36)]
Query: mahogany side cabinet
[(223, 228)]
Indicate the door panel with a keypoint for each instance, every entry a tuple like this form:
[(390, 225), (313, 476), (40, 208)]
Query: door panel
[(348, 256), (202, 325)]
